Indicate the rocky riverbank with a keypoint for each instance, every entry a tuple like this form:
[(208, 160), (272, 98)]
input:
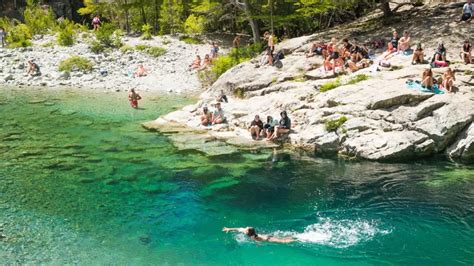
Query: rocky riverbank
[(386, 120), (166, 73)]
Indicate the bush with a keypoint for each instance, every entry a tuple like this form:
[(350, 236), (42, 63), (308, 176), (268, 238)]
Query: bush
[(126, 48), (104, 34), (96, 47), (19, 36), (141, 47), (66, 33), (38, 19), (117, 38), (330, 85), (146, 32), (333, 125), (190, 40), (75, 63), (194, 24), (151, 50)]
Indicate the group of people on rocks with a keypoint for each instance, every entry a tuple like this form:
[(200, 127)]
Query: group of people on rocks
[(199, 64), (272, 129), (215, 116)]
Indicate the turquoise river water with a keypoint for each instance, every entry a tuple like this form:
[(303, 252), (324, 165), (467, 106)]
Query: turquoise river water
[(82, 183)]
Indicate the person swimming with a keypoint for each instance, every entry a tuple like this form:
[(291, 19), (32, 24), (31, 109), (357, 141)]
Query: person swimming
[(252, 234)]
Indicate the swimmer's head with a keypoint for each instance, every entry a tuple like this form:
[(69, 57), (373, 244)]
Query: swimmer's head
[(250, 232)]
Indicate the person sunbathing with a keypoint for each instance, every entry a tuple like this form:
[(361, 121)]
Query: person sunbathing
[(252, 234), (33, 69), (206, 63), (466, 52), (330, 48), (418, 55), (427, 78), (389, 52), (141, 71), (206, 117), (404, 42), (395, 40), (196, 64), (283, 127), (334, 60), (354, 66), (256, 127), (346, 49), (316, 48), (448, 80)]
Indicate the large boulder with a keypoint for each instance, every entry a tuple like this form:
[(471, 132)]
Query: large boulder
[(463, 148)]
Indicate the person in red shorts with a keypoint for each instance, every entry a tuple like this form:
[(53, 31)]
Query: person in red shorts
[(134, 97)]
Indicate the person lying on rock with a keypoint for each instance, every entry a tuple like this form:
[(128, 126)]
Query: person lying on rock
[(206, 117), (218, 115), (355, 66), (252, 234), (196, 64), (389, 52), (206, 63), (448, 80), (466, 52), (33, 69), (427, 79), (256, 127), (404, 43), (134, 97), (141, 71), (283, 127), (467, 11), (269, 127), (418, 55)]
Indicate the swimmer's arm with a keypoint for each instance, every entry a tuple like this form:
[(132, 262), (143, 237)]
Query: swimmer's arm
[(238, 229)]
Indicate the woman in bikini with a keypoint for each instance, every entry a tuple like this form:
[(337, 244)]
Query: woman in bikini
[(427, 79), (134, 97), (466, 52), (252, 234), (418, 55), (196, 63), (448, 80)]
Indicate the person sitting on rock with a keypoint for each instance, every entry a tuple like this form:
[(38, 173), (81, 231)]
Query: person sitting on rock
[(404, 43), (269, 127), (218, 114), (439, 58), (448, 80), (206, 117), (141, 71), (389, 52), (96, 23), (466, 52), (256, 127), (33, 69), (427, 79), (206, 63), (395, 40), (196, 64), (346, 49), (467, 11), (337, 61), (222, 98), (134, 97), (252, 234), (316, 48), (283, 127), (418, 55)]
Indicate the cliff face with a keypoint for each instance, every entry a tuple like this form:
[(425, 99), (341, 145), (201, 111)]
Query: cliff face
[(64, 8), (386, 120)]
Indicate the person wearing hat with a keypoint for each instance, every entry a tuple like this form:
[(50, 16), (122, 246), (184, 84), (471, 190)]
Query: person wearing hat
[(218, 114), (206, 116), (283, 126)]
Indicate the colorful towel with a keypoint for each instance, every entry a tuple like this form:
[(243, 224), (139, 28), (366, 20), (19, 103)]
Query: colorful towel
[(417, 86)]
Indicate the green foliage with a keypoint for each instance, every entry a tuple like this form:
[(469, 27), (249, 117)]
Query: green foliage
[(239, 93), (117, 38), (333, 125), (126, 48), (358, 78), (104, 34), (190, 40), (170, 20), (146, 32), (48, 44), (75, 63), (330, 85), (151, 50), (38, 19), (66, 33), (7, 24), (96, 47), (194, 24), (19, 36)]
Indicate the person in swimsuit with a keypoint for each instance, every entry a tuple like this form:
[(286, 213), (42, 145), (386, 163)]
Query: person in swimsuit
[(270, 47), (427, 79), (141, 71), (418, 55), (394, 41), (196, 63), (448, 80), (389, 52), (33, 69), (206, 117), (466, 52), (252, 234), (218, 114), (404, 42), (134, 97), (206, 63), (96, 22)]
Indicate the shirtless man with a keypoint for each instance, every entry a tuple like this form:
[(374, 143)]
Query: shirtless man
[(252, 234)]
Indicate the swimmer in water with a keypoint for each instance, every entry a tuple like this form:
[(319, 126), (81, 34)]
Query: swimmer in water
[(252, 234)]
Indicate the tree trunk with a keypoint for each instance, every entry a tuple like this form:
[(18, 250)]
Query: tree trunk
[(157, 17), (142, 11), (385, 6), (252, 22)]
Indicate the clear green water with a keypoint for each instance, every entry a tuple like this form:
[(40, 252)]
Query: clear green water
[(82, 182)]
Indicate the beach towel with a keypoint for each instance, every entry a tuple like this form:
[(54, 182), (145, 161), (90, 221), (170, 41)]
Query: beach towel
[(416, 85)]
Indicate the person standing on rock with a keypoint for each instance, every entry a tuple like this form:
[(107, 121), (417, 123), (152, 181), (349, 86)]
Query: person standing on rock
[(270, 47), (96, 22), (134, 97), (283, 127), (214, 50), (3, 35)]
